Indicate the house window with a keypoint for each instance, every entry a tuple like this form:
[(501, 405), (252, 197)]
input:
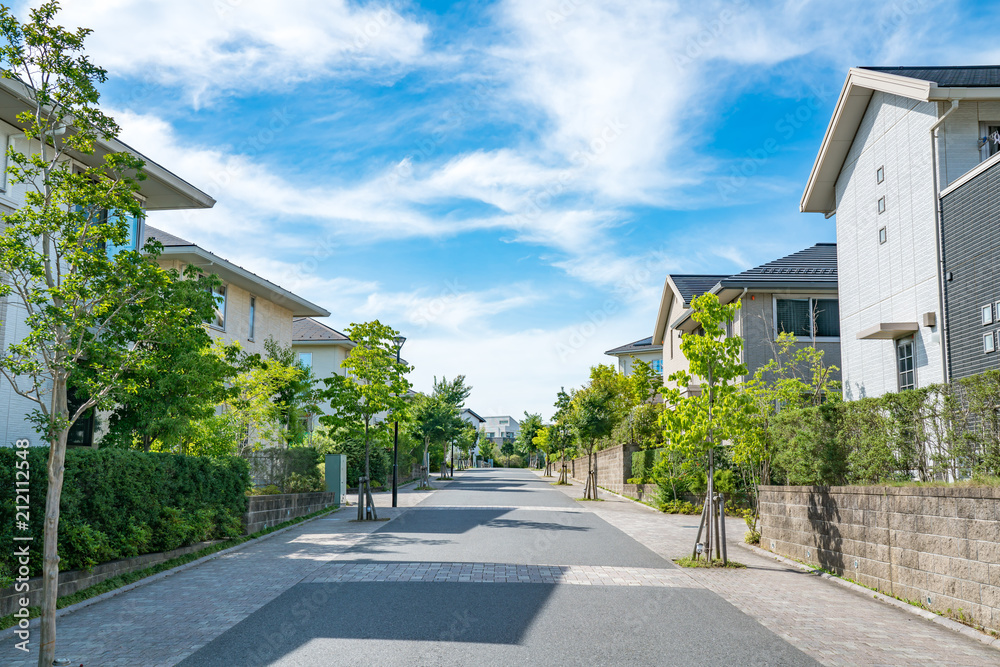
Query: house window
[(987, 314), (134, 232), (218, 320), (808, 318), (306, 359), (657, 366), (904, 363), (881, 204), (880, 175), (82, 432), (989, 343), (253, 314), (881, 236), (989, 142)]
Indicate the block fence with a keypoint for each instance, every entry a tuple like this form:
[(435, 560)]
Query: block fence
[(262, 512), (936, 545), (614, 467)]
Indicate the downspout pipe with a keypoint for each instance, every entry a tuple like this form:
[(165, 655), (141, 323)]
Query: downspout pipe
[(937, 239)]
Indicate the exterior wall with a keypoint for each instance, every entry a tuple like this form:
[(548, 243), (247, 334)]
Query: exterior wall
[(970, 232), (959, 137), (755, 323), (326, 361), (937, 545), (492, 425), (895, 281), (270, 319), (673, 358), (614, 467), (626, 362)]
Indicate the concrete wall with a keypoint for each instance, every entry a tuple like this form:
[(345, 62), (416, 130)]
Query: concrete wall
[(266, 511), (614, 467), (936, 545), (896, 281)]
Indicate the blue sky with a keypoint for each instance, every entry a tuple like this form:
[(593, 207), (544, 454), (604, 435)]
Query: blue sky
[(507, 183)]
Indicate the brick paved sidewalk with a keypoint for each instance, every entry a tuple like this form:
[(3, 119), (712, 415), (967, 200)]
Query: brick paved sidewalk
[(163, 622), (833, 624)]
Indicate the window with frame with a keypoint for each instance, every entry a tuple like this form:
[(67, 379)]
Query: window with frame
[(657, 365), (306, 359), (989, 343), (218, 320), (808, 318), (904, 364), (989, 141), (252, 315)]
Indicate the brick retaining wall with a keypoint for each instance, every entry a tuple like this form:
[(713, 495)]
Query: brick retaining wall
[(936, 545), (266, 511)]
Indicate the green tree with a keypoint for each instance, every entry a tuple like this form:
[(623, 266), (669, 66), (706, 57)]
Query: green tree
[(182, 383), (594, 411), (374, 383), (429, 418), (696, 425), (530, 427), (65, 255)]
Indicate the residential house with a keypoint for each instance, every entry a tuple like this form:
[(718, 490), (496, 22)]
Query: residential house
[(471, 418), (908, 167), (500, 429), (795, 294), (321, 348), (249, 309), (642, 350), (678, 293), (161, 190)]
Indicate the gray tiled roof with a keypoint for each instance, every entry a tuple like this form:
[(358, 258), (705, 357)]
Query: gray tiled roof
[(816, 265), (978, 76), (644, 345), (691, 286), (165, 239), (308, 329)]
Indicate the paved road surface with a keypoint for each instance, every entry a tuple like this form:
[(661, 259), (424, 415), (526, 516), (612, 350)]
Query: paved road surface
[(496, 568)]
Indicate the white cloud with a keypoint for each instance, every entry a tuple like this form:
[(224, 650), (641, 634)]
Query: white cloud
[(208, 47)]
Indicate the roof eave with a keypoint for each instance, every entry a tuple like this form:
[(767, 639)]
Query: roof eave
[(243, 278), (161, 189), (819, 195), (764, 286)]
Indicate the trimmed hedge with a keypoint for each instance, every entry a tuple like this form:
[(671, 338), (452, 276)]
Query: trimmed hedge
[(121, 503), (643, 462)]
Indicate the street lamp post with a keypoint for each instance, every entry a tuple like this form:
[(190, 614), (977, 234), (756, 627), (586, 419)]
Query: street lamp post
[(399, 340)]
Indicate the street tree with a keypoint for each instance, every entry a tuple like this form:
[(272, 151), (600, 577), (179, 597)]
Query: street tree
[(525, 441), (68, 256), (593, 413), (696, 425), (374, 383)]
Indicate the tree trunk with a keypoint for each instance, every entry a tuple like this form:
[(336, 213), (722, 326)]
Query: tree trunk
[(50, 560)]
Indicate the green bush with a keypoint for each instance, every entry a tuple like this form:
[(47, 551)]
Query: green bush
[(725, 482), (673, 488), (121, 503), (643, 463), (297, 483), (680, 507)]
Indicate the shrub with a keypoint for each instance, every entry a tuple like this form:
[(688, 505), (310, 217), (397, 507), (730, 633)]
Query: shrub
[(121, 503), (643, 463), (680, 507), (297, 483)]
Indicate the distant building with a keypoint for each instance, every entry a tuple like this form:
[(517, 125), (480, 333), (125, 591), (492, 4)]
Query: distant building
[(500, 429), (322, 349)]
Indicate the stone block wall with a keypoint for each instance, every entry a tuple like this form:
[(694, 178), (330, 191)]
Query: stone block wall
[(614, 467), (936, 545), (266, 511)]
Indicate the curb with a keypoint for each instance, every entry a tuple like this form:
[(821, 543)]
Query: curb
[(33, 623), (954, 626)]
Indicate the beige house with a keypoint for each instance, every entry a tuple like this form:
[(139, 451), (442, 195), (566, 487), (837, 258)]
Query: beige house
[(250, 309), (678, 292), (320, 348)]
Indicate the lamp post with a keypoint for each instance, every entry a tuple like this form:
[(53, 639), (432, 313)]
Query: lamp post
[(399, 340)]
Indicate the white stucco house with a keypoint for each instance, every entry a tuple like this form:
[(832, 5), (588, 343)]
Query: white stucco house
[(320, 348), (907, 168), (499, 429), (643, 350)]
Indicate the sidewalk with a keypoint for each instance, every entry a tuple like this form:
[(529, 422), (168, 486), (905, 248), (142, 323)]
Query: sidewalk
[(833, 624), (165, 621)]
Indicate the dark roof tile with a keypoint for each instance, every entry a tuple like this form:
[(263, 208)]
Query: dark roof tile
[(644, 345), (817, 264), (976, 76), (691, 286)]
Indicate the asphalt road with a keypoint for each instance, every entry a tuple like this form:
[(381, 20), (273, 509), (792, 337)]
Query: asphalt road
[(491, 517)]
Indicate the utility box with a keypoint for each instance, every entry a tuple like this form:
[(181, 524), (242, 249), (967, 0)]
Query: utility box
[(336, 476)]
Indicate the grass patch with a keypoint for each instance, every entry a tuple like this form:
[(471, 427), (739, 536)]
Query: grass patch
[(591, 500), (691, 562), (975, 482), (562, 483), (423, 488), (131, 577)]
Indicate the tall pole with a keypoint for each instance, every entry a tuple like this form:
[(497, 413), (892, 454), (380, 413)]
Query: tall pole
[(395, 436)]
